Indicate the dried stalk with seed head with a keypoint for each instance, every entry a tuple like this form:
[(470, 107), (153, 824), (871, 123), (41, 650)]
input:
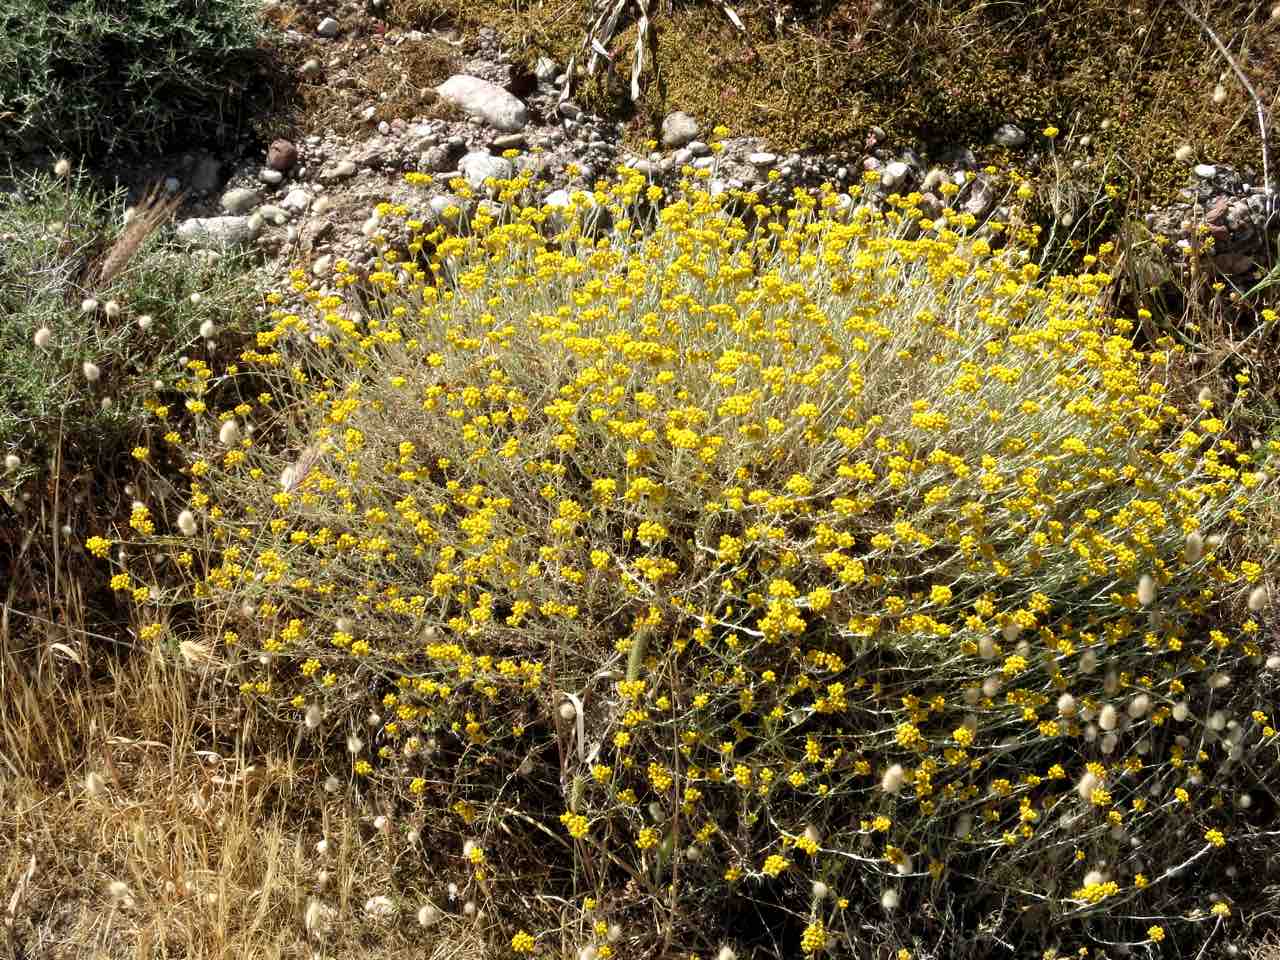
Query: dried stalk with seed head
[(149, 215)]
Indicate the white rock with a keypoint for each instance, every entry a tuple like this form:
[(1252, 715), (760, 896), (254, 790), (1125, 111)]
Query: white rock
[(678, 129), (328, 28), (240, 200), (218, 233), (558, 200), (443, 201), (480, 165), (273, 215), (270, 177), (1205, 170), (894, 173), (762, 159), (322, 265), (485, 101), (546, 69), (340, 171), (1007, 135), (297, 200)]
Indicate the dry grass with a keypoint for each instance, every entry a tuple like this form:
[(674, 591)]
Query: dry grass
[(216, 849)]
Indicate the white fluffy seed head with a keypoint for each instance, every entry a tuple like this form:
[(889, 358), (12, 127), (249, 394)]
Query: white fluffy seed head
[(62, 168), (568, 711), (972, 695), (313, 716), (1088, 662), (614, 934), (890, 899), (1093, 878), (1219, 681), (1108, 744), (119, 892), (1217, 721), (428, 915), (1257, 599), (354, 744), (332, 784), (317, 917), (964, 824), (112, 309), (820, 890), (589, 952), (195, 299), (1273, 662), (380, 907), (1011, 631), (1067, 705), (1181, 711), (1219, 94), (91, 371), (208, 329), (986, 648), (813, 834), (1107, 717), (893, 779), (382, 824), (1139, 706), (42, 337), (145, 321), (1193, 550), (1184, 154), (88, 305), (726, 953), (1088, 783), (12, 462), (1111, 682), (187, 523), (990, 686), (229, 434), (94, 784), (1146, 589)]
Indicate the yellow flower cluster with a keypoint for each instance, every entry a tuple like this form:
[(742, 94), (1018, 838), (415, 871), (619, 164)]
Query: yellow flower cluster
[(831, 518)]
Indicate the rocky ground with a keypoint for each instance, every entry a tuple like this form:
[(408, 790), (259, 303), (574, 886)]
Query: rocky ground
[(307, 199)]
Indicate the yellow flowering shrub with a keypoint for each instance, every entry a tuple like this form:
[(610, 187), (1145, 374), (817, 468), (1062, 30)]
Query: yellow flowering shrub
[(758, 551)]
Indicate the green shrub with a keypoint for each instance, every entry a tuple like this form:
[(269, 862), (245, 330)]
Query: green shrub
[(788, 578), (59, 229), (122, 76)]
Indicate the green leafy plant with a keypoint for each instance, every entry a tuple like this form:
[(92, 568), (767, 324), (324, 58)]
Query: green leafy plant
[(122, 76), (96, 306)]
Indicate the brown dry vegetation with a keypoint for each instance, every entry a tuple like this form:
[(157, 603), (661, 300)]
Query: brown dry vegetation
[(215, 845)]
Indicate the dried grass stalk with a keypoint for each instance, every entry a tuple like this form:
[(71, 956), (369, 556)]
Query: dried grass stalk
[(149, 215)]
